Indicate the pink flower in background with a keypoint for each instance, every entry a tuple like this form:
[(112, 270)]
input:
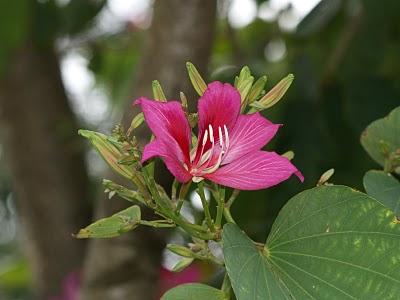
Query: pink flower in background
[(228, 149), (70, 287)]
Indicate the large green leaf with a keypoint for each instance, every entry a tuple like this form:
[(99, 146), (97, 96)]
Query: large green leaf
[(194, 291), (121, 222), (381, 138), (384, 188), (330, 242)]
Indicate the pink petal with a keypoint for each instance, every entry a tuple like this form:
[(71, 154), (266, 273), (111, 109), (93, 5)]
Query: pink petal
[(257, 170), (219, 106), (169, 152), (250, 133), (167, 121)]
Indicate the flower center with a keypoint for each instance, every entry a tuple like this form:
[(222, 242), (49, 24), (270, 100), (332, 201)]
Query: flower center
[(209, 160)]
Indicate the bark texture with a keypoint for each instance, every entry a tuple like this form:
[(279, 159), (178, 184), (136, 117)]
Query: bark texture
[(128, 267), (46, 165)]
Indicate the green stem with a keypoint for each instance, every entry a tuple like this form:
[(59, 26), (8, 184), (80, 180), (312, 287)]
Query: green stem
[(232, 198), (157, 224), (206, 208), (220, 208), (228, 216), (182, 195), (174, 189)]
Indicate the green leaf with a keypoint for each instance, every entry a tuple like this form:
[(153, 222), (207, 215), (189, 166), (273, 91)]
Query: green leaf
[(115, 225), (381, 139), (384, 188), (274, 95), (330, 242), (198, 83), (108, 151), (194, 291), (158, 92)]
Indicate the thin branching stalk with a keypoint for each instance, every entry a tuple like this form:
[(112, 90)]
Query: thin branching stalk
[(206, 208)]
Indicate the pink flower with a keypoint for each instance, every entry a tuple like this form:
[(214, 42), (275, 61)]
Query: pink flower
[(228, 149)]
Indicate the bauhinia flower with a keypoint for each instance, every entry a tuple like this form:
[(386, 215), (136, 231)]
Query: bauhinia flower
[(228, 151)]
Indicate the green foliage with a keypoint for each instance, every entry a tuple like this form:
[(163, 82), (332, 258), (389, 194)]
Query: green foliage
[(13, 29), (194, 291), (330, 242), (381, 140), (384, 188), (119, 223)]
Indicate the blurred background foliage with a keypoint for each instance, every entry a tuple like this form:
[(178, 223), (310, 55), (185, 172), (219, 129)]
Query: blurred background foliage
[(344, 55)]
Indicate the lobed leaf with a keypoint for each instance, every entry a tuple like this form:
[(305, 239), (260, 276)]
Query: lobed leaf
[(330, 242), (194, 291), (384, 188), (381, 139)]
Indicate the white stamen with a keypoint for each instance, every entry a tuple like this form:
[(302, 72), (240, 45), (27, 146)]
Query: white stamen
[(211, 133), (205, 137), (226, 137), (214, 167), (221, 143), (205, 157)]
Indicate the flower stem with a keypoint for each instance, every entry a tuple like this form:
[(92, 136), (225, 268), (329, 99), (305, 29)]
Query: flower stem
[(228, 216), (205, 206), (220, 208), (232, 198), (182, 195)]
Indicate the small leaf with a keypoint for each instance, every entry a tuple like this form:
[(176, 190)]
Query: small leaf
[(109, 151), (115, 225), (384, 188), (256, 89), (274, 95), (182, 264), (194, 291), (381, 139), (198, 83), (158, 92)]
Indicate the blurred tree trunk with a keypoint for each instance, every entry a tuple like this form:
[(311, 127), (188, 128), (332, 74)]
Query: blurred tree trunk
[(128, 267), (45, 158)]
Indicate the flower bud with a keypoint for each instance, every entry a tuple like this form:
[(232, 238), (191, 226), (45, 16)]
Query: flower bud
[(197, 82), (181, 250), (158, 92)]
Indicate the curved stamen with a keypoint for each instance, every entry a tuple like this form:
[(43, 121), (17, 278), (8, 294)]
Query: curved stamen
[(221, 143), (226, 137)]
